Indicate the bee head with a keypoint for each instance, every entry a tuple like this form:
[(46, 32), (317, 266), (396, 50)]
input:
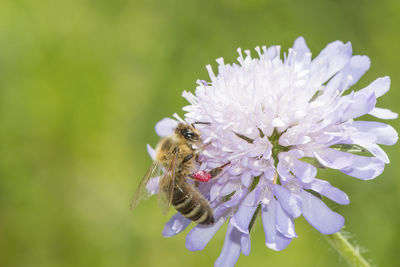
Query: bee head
[(188, 132)]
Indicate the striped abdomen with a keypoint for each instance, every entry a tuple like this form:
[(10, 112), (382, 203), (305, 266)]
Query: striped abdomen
[(191, 204)]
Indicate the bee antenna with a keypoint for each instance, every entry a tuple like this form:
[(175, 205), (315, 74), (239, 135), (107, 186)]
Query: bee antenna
[(200, 122)]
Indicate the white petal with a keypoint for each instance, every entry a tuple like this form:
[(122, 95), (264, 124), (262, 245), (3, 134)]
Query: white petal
[(166, 127), (360, 103), (377, 151), (152, 185), (302, 50), (273, 52), (354, 69), (151, 151), (331, 59), (357, 166), (382, 133), (277, 122), (383, 113), (380, 86)]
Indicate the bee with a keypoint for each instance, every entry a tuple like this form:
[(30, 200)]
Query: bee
[(175, 154)]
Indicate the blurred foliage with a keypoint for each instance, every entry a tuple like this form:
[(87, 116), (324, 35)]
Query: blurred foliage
[(82, 84)]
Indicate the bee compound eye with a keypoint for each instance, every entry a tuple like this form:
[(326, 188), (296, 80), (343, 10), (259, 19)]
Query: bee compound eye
[(189, 135)]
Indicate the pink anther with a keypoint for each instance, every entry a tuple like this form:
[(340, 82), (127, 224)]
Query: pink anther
[(202, 176)]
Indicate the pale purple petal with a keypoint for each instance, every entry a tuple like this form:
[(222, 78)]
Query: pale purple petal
[(284, 222), (200, 235), (383, 113), (231, 250), (380, 86), (354, 69), (326, 189), (291, 137), (202, 82), (330, 159), (151, 151), (360, 104), (319, 215), (377, 151), (215, 191), (176, 224), (383, 133), (364, 168), (221, 211), (152, 185), (273, 52), (229, 188), (289, 201), (246, 178), (273, 239), (241, 219), (283, 170), (236, 198), (303, 53), (331, 59), (304, 171), (166, 127), (332, 88), (365, 140), (286, 161), (245, 244)]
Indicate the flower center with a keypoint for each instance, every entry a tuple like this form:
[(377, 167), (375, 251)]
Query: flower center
[(276, 147)]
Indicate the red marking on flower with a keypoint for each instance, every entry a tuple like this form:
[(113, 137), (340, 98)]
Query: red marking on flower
[(202, 176)]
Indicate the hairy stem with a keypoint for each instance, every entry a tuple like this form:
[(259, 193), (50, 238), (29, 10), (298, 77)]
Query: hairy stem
[(348, 252)]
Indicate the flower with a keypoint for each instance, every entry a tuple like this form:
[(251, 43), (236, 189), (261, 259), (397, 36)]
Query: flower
[(276, 121)]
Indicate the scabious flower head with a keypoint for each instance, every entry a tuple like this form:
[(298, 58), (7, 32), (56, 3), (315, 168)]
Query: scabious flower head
[(276, 121)]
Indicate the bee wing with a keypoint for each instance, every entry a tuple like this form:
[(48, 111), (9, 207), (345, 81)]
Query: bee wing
[(166, 186), (141, 191)]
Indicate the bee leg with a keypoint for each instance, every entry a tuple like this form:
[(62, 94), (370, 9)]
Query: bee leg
[(216, 171), (201, 149), (205, 176), (194, 177), (187, 158), (196, 158)]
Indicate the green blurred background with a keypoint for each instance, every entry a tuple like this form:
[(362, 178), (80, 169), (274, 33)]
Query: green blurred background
[(82, 84)]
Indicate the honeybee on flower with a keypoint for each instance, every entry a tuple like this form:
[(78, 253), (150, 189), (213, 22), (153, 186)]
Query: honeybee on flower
[(277, 121)]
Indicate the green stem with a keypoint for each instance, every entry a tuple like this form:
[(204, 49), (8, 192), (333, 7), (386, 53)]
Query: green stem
[(349, 253)]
